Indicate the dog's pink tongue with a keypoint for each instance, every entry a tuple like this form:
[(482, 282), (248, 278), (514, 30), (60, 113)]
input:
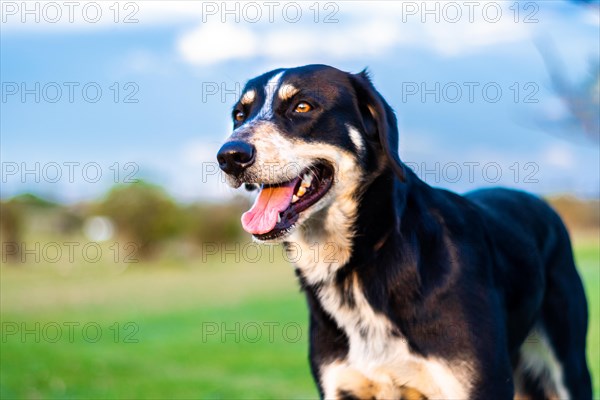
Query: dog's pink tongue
[(262, 217)]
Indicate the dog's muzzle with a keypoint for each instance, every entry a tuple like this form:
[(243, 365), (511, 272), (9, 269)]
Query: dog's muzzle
[(235, 157)]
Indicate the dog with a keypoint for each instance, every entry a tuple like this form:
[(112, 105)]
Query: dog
[(414, 292)]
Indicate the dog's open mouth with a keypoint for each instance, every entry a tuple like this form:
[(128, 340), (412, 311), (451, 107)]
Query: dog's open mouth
[(278, 206)]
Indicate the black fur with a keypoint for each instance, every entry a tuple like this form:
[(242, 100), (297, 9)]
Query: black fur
[(457, 275)]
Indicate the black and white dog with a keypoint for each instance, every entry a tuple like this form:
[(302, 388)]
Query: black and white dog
[(414, 292)]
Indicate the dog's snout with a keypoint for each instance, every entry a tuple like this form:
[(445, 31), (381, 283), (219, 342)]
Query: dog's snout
[(234, 157)]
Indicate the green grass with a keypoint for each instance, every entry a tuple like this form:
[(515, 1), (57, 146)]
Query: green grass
[(198, 329), (587, 257), (180, 311)]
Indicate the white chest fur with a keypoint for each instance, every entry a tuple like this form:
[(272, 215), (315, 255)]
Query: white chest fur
[(383, 358)]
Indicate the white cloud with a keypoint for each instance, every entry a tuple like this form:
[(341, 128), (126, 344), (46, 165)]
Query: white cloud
[(591, 16), (558, 155), (214, 43), (364, 29)]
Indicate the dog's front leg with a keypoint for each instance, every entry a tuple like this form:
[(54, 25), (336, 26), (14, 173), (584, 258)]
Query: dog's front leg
[(327, 343)]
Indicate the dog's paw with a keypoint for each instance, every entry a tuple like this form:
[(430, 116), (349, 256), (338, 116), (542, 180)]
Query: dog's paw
[(371, 391), (352, 385), (411, 394)]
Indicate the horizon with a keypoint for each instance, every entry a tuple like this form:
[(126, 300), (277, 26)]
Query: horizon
[(146, 92)]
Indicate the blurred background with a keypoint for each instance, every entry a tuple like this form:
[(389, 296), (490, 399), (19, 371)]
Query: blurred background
[(125, 273)]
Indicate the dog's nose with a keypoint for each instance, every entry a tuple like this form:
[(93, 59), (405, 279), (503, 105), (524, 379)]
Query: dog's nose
[(235, 157)]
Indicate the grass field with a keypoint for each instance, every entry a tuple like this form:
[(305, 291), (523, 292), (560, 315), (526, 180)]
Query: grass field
[(174, 330)]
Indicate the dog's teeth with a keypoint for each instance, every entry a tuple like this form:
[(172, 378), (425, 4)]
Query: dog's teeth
[(294, 198), (306, 180), (278, 218), (301, 191)]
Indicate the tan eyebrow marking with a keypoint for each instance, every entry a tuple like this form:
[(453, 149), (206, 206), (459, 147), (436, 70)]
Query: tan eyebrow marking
[(248, 97), (287, 90)]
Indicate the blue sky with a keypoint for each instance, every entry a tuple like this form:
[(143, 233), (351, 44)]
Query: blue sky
[(177, 52)]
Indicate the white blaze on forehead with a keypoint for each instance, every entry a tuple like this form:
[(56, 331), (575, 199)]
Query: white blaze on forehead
[(270, 89), (356, 138), (286, 91), (248, 97)]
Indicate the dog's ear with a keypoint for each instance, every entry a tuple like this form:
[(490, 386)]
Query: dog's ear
[(379, 120)]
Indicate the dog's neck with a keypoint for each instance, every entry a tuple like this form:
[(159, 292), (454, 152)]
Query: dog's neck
[(379, 215), (351, 230)]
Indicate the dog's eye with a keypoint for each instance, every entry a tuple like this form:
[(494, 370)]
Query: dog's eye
[(239, 116), (302, 107)]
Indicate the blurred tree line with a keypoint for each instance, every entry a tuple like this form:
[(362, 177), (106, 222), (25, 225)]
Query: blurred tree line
[(141, 213), (146, 215)]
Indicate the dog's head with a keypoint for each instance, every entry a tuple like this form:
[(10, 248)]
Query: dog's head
[(310, 138)]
